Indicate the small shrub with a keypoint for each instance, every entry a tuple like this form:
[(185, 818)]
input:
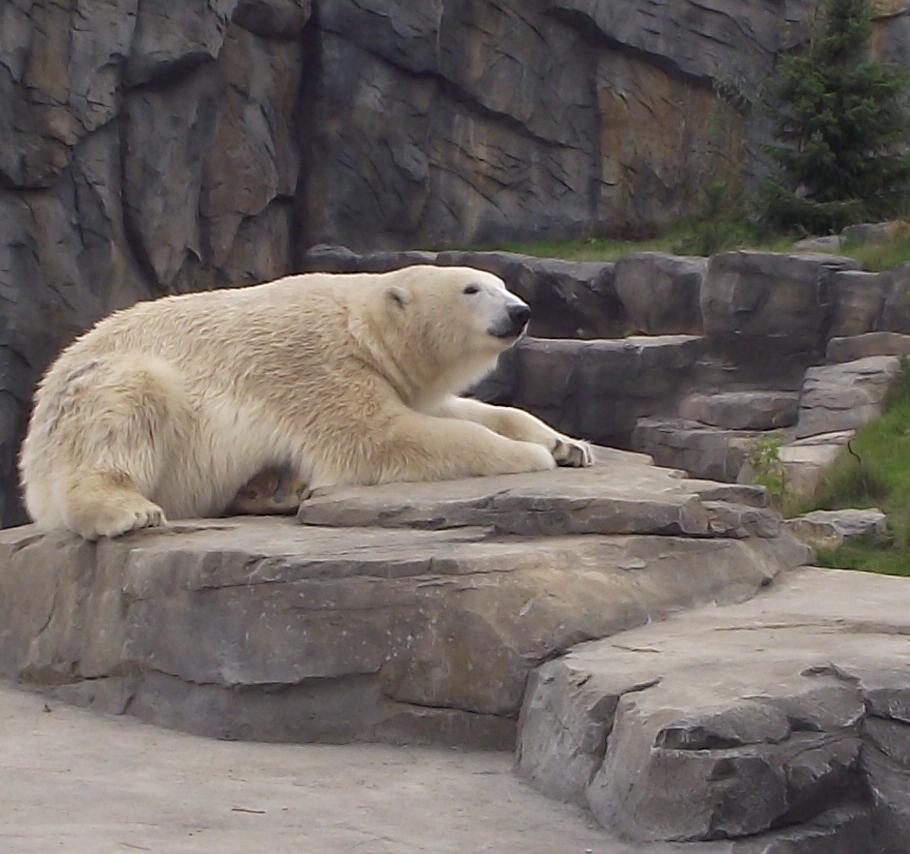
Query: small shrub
[(768, 468), (842, 124)]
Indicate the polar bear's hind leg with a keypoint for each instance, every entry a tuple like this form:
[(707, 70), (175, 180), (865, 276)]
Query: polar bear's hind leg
[(101, 438)]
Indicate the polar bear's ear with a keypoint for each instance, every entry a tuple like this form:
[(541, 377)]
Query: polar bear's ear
[(399, 296)]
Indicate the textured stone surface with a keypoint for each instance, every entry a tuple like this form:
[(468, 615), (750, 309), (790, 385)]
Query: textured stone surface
[(597, 389), (87, 783), (846, 395), (854, 347), (408, 613), (712, 452), (895, 315), (560, 122), (743, 410), (770, 310), (767, 714), (829, 529), (661, 292), (859, 299)]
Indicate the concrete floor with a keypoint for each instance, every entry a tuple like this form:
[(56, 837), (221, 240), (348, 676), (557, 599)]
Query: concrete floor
[(77, 782)]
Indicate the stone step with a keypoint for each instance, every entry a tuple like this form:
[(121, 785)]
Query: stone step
[(700, 449), (624, 494), (853, 347), (598, 388), (715, 432), (790, 711), (742, 410), (845, 395)]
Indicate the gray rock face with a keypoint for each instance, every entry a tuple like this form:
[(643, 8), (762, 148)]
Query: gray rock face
[(859, 300), (896, 310), (478, 122), (767, 714), (713, 452), (769, 309), (661, 292), (831, 528), (409, 613), (868, 344), (599, 389), (560, 123)]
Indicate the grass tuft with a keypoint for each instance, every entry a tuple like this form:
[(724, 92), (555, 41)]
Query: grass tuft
[(692, 237)]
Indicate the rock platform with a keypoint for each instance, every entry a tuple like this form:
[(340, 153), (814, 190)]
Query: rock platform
[(783, 722), (404, 613), (655, 645)]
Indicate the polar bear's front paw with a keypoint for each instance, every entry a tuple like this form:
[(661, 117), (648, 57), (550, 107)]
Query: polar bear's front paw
[(572, 452), (123, 517)]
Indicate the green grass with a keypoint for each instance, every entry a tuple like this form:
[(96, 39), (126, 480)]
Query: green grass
[(588, 248), (880, 256), (679, 241), (875, 472), (706, 239)]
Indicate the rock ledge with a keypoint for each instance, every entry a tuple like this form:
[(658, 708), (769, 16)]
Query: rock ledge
[(408, 613)]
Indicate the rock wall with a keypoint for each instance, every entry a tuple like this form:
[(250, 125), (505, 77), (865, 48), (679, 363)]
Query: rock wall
[(149, 147)]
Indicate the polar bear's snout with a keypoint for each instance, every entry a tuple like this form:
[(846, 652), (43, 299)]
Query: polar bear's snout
[(516, 318)]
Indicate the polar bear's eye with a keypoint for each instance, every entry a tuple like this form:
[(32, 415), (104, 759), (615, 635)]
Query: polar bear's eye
[(472, 289)]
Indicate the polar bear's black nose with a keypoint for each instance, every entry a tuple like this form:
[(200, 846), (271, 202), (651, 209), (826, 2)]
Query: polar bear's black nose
[(512, 322), (519, 314)]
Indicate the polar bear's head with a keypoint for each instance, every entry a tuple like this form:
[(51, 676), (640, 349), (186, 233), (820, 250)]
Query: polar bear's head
[(460, 305), (456, 320)]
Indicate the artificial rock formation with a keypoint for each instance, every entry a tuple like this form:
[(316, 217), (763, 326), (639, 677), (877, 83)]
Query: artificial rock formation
[(653, 645), (783, 719), (409, 612)]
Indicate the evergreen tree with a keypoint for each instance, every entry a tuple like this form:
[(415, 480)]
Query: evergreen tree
[(843, 125)]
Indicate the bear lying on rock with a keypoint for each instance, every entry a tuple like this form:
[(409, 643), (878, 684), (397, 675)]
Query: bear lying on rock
[(169, 408)]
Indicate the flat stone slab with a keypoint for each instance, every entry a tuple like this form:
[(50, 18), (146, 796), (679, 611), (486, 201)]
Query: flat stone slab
[(410, 613), (624, 494), (844, 395), (74, 782), (831, 528), (743, 410), (850, 348), (786, 714)]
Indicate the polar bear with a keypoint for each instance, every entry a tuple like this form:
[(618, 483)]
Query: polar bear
[(166, 409)]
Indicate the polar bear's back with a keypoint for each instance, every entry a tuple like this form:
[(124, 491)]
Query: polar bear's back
[(307, 310)]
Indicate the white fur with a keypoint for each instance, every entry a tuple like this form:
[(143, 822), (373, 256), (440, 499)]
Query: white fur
[(168, 408)]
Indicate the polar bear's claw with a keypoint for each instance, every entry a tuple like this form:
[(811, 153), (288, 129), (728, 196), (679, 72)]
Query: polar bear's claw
[(132, 515)]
